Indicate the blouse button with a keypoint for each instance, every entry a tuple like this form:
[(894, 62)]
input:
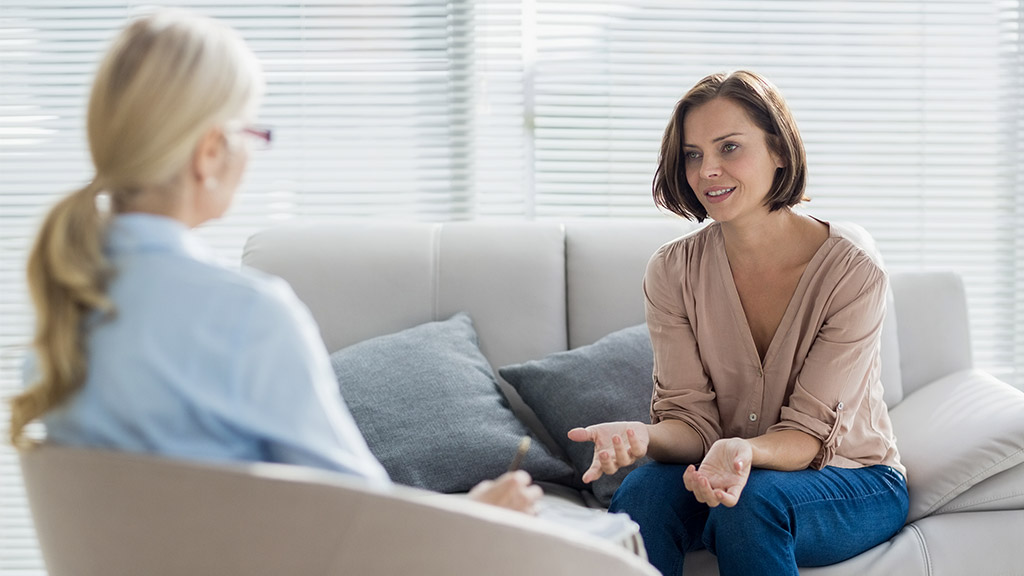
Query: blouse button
[(753, 417)]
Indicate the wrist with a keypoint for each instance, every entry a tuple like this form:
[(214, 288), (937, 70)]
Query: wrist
[(756, 451)]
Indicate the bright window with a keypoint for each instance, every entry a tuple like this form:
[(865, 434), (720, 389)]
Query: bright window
[(912, 113)]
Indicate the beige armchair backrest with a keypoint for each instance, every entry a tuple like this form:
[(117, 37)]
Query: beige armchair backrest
[(112, 514)]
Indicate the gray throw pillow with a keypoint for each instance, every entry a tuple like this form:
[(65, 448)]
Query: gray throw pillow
[(607, 381), (430, 408)]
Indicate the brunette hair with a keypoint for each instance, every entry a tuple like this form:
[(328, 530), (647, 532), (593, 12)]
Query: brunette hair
[(168, 78), (767, 109)]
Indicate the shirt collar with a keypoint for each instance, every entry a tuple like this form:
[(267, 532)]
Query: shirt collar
[(139, 232)]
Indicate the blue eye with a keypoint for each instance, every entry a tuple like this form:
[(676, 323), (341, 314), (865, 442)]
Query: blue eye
[(691, 155)]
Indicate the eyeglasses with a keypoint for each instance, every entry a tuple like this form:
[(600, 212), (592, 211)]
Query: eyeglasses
[(260, 136)]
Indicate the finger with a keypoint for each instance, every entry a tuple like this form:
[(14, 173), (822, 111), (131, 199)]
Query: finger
[(608, 463), (725, 499), (481, 487), (506, 479), (730, 497), (689, 477), (622, 456), (634, 445), (707, 493), (738, 465), (594, 472), (533, 494), (522, 477), (580, 435)]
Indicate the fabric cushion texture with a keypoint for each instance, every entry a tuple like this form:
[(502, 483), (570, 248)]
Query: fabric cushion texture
[(430, 408), (607, 381)]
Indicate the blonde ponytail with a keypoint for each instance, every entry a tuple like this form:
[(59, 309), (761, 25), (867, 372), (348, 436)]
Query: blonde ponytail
[(67, 277)]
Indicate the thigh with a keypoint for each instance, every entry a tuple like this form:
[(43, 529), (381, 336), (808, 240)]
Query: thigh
[(834, 513), (655, 497)]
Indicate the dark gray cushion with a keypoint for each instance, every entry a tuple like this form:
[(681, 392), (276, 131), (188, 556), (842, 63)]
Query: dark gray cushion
[(607, 381), (430, 408)]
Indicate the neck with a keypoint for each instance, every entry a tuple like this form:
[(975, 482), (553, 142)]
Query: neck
[(163, 201), (761, 239)]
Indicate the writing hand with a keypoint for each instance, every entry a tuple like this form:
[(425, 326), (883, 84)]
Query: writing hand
[(511, 490)]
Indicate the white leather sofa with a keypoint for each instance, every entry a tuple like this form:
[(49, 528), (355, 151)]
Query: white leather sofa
[(534, 288)]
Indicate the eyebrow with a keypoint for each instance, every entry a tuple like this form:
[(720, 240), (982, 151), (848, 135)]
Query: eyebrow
[(719, 139)]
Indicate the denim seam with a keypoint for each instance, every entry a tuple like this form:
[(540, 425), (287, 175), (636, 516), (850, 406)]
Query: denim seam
[(923, 545), (877, 492)]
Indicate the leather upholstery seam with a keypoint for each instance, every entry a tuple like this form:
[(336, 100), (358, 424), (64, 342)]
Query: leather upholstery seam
[(970, 503), (976, 479), (923, 545)]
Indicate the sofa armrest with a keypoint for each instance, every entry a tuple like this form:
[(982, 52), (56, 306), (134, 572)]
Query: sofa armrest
[(955, 433), (931, 319)]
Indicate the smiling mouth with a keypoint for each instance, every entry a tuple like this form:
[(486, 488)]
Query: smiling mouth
[(717, 193)]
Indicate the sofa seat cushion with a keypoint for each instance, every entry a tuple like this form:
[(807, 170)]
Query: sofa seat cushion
[(955, 433), (607, 381), (430, 408)]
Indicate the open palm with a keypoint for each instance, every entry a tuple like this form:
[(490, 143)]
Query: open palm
[(722, 474)]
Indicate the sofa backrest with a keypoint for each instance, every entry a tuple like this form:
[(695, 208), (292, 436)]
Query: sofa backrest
[(934, 332), (531, 288), (364, 279)]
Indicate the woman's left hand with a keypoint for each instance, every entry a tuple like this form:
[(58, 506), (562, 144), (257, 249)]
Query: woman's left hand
[(723, 473)]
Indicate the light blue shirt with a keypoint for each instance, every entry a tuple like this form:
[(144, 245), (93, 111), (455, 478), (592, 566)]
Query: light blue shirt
[(207, 363)]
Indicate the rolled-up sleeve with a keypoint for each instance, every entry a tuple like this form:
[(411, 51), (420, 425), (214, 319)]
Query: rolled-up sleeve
[(682, 389), (841, 364)]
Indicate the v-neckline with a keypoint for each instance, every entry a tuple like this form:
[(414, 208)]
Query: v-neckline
[(787, 317)]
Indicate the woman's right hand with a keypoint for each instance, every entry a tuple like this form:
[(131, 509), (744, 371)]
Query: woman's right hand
[(512, 490), (616, 444)]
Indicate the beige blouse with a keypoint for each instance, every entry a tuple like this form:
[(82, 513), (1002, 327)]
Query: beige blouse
[(820, 373)]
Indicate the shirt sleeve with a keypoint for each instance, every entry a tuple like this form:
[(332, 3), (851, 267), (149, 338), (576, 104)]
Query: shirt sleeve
[(842, 363), (287, 387), (682, 389)]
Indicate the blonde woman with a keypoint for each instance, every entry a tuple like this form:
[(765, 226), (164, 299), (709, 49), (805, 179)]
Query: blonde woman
[(143, 343)]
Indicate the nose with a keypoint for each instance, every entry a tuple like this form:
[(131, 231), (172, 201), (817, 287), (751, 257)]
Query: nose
[(710, 167)]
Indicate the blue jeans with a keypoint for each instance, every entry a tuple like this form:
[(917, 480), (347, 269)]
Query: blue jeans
[(782, 520)]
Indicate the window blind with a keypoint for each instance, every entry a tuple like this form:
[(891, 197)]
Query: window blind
[(912, 113)]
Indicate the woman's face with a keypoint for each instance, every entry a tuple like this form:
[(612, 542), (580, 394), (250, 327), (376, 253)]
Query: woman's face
[(727, 160)]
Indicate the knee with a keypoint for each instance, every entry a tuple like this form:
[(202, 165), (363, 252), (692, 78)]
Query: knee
[(759, 511)]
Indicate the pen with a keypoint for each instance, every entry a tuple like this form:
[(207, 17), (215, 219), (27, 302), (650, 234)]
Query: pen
[(524, 446)]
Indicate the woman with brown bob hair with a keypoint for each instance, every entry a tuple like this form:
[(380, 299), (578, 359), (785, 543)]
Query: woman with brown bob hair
[(770, 440), (767, 110)]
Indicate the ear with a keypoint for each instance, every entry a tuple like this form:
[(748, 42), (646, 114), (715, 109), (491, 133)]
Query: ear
[(209, 155), (779, 161)]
